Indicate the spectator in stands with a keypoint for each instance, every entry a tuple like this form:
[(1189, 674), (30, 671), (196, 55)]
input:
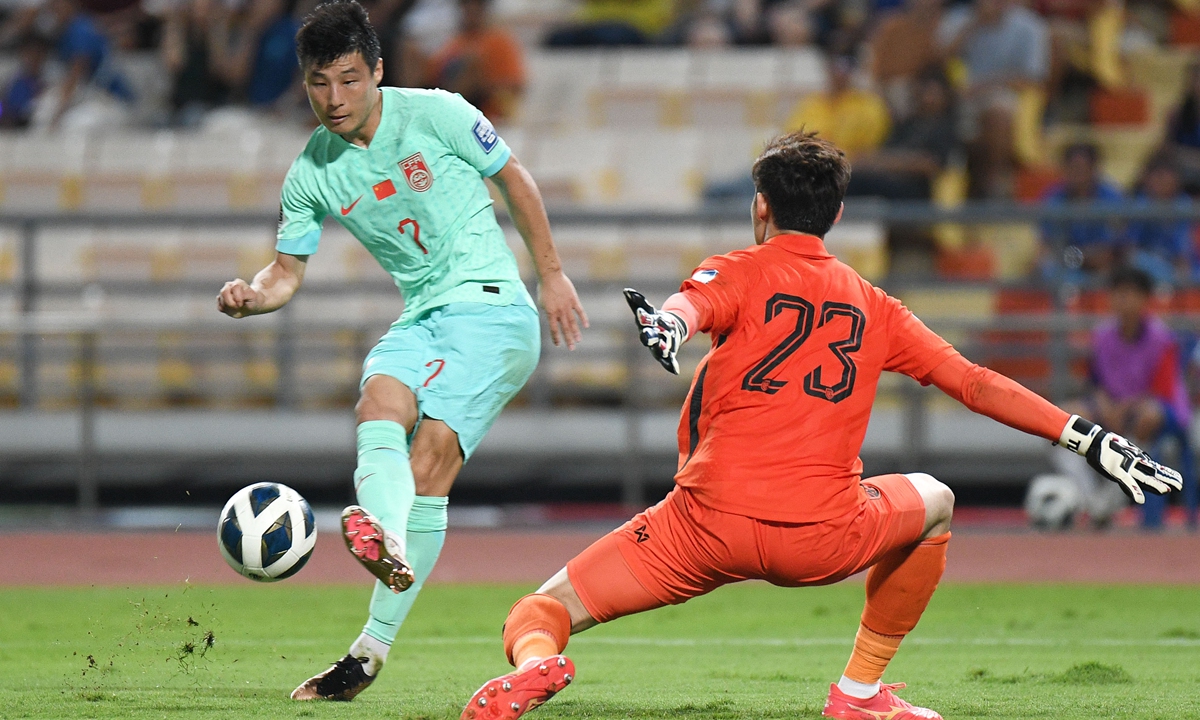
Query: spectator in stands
[(254, 51), (1163, 248), (615, 22), (1183, 133), (708, 30), (855, 119), (1086, 36), (1087, 245), (91, 89), (1004, 49), (1137, 381), (190, 55), (916, 151), (789, 24), (482, 63), (903, 46), (17, 107)]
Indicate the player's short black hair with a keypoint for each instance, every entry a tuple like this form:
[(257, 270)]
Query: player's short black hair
[(1133, 278), (804, 179), (334, 29)]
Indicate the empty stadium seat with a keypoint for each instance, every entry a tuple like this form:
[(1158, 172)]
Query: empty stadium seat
[(656, 170)]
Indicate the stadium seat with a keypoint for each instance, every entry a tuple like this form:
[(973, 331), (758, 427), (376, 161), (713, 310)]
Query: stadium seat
[(804, 71), (1022, 355), (45, 172), (212, 170), (1119, 106), (734, 89), (1185, 29), (574, 166), (1163, 73), (728, 154), (131, 172), (657, 170), (560, 88)]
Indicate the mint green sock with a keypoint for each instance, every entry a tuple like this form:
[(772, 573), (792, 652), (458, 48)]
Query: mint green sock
[(426, 533), (384, 479)]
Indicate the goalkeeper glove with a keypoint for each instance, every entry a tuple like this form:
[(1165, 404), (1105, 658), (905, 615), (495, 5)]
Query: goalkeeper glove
[(662, 332), (1119, 460)]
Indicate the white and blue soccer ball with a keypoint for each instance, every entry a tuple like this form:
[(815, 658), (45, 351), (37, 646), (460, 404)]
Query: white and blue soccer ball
[(267, 532)]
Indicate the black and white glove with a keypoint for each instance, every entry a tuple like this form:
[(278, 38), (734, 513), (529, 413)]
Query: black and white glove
[(1119, 460), (662, 332)]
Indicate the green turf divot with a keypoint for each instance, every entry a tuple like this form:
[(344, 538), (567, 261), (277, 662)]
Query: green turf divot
[(1093, 673)]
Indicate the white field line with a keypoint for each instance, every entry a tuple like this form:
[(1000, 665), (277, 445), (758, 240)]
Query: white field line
[(715, 642)]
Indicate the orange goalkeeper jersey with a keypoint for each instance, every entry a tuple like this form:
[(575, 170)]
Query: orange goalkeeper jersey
[(776, 415)]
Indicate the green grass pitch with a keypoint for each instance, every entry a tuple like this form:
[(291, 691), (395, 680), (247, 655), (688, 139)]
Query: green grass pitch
[(752, 651)]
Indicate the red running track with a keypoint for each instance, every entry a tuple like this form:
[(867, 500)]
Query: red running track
[(530, 557)]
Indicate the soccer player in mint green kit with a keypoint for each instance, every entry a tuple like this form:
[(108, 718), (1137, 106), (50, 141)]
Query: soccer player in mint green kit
[(403, 171)]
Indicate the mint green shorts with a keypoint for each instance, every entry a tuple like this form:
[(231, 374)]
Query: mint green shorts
[(463, 361)]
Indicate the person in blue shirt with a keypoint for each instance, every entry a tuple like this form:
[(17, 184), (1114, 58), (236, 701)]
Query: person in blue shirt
[(1090, 246), (84, 51), (17, 105), (1163, 248)]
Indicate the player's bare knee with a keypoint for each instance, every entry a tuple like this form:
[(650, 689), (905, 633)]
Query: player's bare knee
[(559, 587), (385, 398), (939, 502)]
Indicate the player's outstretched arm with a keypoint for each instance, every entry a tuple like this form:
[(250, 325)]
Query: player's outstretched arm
[(1004, 400), (555, 291), (270, 290)]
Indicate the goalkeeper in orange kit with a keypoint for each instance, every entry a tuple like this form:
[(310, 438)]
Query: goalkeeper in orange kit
[(769, 484)]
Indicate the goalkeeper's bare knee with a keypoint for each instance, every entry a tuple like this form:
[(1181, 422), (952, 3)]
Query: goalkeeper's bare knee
[(939, 503)]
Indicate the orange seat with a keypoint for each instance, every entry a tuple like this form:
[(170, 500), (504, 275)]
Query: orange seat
[(1121, 106), (1186, 300), (1032, 370), (1032, 183), (976, 262), (1185, 29)]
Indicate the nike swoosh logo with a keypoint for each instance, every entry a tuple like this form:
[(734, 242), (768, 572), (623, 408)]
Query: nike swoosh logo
[(346, 210)]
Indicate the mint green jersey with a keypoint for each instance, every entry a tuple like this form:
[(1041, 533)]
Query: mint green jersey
[(415, 198)]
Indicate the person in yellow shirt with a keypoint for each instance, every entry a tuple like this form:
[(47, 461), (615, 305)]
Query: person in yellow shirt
[(615, 22), (854, 119)]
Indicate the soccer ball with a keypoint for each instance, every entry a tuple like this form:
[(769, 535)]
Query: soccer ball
[(267, 532), (1053, 501)]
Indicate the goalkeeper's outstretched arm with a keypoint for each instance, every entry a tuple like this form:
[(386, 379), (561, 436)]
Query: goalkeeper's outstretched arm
[(270, 290), (1007, 401)]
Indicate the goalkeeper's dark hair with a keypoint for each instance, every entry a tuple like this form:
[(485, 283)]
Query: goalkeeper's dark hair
[(804, 179), (335, 29), (1132, 278)]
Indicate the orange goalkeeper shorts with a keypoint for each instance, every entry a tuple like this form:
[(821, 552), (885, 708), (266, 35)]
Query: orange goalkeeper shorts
[(680, 549)]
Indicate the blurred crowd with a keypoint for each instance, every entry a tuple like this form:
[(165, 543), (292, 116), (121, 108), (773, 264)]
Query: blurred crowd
[(219, 55), (932, 99)]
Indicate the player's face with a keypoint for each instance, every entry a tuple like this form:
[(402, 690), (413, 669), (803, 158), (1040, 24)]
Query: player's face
[(344, 93), (1129, 304)]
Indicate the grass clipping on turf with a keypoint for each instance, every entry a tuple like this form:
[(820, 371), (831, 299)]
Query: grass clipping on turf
[(1088, 673)]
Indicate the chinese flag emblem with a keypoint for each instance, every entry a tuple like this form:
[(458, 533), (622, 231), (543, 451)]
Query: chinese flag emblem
[(384, 189), (416, 172)]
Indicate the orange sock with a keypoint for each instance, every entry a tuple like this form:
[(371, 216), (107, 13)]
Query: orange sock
[(898, 590), (537, 626)]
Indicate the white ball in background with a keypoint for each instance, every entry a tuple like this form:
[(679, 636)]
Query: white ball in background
[(1053, 501)]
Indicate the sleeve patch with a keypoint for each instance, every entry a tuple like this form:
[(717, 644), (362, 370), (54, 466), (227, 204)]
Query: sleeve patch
[(704, 276), (485, 134)]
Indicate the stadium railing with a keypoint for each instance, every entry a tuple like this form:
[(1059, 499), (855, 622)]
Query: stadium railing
[(119, 379)]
